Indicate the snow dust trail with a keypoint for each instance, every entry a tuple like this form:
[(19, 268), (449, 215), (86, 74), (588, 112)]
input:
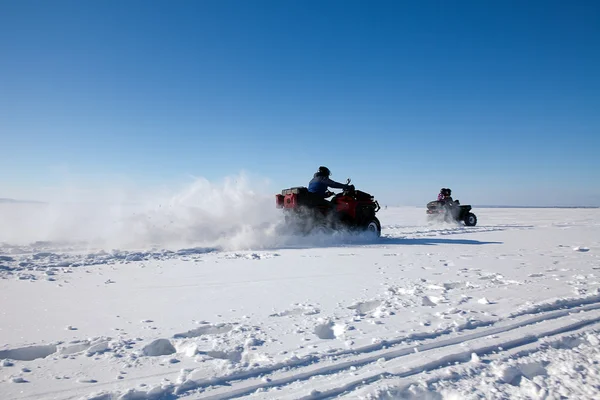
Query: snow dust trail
[(234, 213)]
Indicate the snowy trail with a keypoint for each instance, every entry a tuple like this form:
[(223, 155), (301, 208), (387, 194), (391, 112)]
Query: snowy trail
[(434, 354), (516, 368), (318, 318), (426, 361), (341, 372)]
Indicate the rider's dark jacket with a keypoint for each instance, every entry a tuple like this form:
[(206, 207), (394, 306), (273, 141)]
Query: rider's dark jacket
[(320, 183)]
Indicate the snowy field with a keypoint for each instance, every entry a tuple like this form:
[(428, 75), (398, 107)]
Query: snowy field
[(507, 309)]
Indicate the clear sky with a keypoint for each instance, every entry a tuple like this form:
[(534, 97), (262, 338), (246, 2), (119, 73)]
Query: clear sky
[(498, 100)]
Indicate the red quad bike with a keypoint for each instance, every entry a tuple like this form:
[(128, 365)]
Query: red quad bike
[(352, 210)]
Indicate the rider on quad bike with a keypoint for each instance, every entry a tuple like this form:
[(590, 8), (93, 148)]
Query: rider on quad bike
[(446, 209), (306, 209), (321, 182), (445, 196)]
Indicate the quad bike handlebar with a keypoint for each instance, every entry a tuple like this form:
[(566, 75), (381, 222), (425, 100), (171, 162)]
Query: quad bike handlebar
[(351, 189)]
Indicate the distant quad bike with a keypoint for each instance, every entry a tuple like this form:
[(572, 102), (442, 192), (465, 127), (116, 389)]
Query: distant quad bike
[(307, 213), (453, 211)]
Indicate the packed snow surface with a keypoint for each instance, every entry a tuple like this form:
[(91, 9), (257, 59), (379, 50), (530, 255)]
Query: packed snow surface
[(223, 304)]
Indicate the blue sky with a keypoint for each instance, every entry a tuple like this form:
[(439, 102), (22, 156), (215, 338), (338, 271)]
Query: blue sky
[(499, 100)]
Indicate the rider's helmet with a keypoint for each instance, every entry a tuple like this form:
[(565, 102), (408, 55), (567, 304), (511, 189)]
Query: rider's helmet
[(324, 171), (448, 192)]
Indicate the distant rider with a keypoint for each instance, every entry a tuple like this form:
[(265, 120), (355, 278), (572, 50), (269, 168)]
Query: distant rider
[(445, 195), (320, 182)]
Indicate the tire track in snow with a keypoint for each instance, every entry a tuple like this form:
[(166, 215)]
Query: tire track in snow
[(453, 372), (559, 303), (245, 385), (241, 383), (434, 231), (506, 341)]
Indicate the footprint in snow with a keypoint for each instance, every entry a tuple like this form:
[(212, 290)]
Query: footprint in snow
[(329, 330), (205, 330), (86, 380), (454, 285), (581, 249), (234, 356), (29, 353), (75, 347), (296, 311)]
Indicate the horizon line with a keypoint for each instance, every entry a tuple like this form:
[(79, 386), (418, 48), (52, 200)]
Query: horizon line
[(19, 201)]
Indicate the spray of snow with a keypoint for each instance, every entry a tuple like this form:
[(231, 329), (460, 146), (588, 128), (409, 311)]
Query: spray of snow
[(234, 214)]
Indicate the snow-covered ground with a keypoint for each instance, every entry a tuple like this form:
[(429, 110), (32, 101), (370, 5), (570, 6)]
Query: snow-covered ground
[(507, 309)]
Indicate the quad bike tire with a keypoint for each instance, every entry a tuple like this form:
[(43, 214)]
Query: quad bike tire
[(373, 226), (471, 219)]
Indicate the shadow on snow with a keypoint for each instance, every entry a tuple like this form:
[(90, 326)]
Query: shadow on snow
[(349, 240), (430, 241)]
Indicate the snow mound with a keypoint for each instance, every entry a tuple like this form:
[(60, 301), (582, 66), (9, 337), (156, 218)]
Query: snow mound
[(431, 301), (363, 308), (159, 347)]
